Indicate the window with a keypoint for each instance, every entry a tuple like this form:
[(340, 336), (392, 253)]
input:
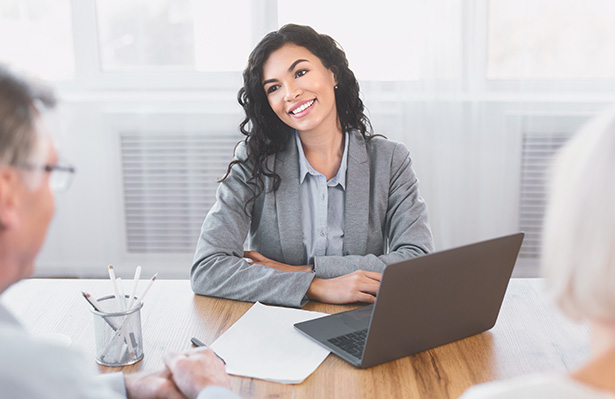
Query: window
[(551, 39), (386, 49), (36, 35), (174, 34)]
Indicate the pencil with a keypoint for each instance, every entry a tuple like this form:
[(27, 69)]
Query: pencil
[(135, 282), (115, 289), (92, 301), (149, 285), (96, 305), (120, 301), (120, 289), (198, 343)]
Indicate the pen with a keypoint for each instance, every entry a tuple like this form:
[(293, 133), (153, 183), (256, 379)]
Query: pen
[(92, 301), (120, 289), (115, 288), (149, 285), (96, 306), (135, 282), (198, 343)]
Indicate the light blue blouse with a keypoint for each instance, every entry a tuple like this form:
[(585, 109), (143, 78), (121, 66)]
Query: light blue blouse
[(322, 206)]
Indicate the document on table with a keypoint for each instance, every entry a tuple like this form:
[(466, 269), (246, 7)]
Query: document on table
[(264, 344)]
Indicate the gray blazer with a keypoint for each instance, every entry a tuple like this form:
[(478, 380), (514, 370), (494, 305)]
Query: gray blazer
[(385, 222)]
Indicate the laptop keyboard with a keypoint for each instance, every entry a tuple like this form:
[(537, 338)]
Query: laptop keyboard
[(352, 343)]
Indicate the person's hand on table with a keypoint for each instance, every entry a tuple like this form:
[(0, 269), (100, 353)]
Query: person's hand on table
[(358, 286), (260, 259), (151, 386), (195, 370)]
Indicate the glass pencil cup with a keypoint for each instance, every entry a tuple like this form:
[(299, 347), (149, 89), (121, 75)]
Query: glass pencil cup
[(119, 341)]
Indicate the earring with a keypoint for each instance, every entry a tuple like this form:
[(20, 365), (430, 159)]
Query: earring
[(335, 87)]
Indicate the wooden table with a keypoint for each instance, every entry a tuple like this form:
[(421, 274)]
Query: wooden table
[(529, 336)]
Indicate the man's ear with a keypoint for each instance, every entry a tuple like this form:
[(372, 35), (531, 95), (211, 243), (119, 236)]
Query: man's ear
[(9, 180)]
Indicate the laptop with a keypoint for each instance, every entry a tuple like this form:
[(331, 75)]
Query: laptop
[(422, 303)]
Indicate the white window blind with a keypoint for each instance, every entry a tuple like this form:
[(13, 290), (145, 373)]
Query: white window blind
[(169, 183), (537, 153)]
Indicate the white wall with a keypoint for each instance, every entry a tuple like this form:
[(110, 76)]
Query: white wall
[(470, 176)]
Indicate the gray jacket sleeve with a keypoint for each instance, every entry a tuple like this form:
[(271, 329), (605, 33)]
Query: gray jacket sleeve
[(407, 233), (219, 268)]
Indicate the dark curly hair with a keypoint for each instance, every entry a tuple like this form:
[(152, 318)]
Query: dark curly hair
[(265, 133)]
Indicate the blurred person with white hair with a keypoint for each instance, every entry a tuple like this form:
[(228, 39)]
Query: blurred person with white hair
[(578, 262)]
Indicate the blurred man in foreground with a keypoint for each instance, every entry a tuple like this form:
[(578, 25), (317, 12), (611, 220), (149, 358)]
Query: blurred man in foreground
[(29, 368)]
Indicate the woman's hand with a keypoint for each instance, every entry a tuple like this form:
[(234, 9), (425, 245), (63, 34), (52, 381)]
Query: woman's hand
[(358, 286), (259, 259)]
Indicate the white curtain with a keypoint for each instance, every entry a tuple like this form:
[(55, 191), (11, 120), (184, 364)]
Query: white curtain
[(481, 91), (465, 84), (412, 62)]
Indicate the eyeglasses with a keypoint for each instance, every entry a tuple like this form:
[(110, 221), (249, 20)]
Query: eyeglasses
[(60, 175)]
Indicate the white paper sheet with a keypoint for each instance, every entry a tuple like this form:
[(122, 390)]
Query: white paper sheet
[(264, 344)]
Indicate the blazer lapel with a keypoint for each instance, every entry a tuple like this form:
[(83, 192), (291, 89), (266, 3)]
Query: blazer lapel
[(357, 196), (288, 205)]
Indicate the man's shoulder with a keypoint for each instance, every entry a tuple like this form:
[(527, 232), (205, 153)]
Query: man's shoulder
[(533, 386), (43, 367), (16, 344)]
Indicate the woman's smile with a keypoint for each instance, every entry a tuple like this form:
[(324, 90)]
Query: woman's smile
[(301, 109), (300, 90)]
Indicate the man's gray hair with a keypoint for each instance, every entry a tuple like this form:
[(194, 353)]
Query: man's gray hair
[(21, 101)]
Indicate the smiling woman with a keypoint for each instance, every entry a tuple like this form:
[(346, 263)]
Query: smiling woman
[(302, 94), (325, 204)]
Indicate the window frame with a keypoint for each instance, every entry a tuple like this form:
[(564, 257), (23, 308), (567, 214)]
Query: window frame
[(474, 83), (478, 25), (89, 76)]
